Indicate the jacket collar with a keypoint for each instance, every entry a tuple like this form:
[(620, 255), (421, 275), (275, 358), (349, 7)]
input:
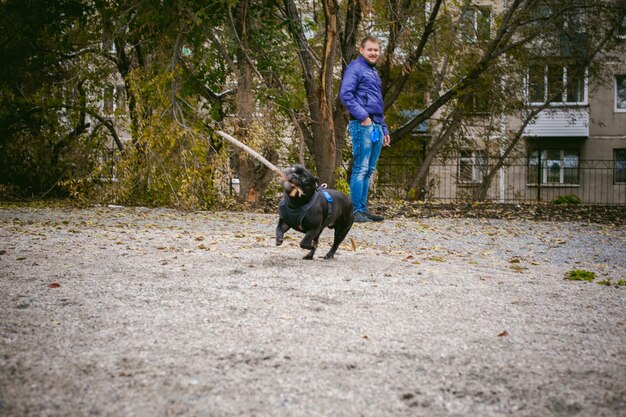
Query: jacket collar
[(364, 61)]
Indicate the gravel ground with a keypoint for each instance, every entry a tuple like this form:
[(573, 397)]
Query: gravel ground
[(152, 312)]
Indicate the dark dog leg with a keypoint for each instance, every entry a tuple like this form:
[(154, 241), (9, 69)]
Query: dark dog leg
[(280, 231), (341, 231), (312, 251), (310, 242)]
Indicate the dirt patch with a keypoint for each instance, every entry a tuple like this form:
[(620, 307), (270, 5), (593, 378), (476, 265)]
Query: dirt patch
[(160, 313)]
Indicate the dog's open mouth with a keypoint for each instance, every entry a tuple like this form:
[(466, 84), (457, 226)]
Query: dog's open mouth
[(291, 189)]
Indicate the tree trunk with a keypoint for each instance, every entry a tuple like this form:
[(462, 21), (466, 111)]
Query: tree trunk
[(319, 88), (254, 178), (348, 53)]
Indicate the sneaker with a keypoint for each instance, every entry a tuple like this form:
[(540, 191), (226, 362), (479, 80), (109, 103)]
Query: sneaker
[(373, 217), (360, 217)]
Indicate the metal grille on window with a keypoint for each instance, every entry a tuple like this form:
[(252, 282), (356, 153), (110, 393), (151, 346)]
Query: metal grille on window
[(472, 166), (553, 167)]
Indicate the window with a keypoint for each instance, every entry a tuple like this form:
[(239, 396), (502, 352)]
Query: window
[(120, 98), (553, 167), (113, 99), (478, 103), (619, 170), (475, 23), (536, 83), (557, 83), (620, 93), (622, 28), (477, 99), (540, 15), (575, 79), (472, 166), (108, 104), (574, 44), (108, 44)]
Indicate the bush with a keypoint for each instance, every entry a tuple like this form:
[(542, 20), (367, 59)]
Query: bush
[(569, 199)]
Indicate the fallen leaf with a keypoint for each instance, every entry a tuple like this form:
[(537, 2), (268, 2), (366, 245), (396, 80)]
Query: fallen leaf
[(54, 285), (199, 238), (504, 333), (353, 243)]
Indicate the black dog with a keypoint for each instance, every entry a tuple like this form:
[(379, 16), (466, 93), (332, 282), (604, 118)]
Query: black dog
[(311, 210)]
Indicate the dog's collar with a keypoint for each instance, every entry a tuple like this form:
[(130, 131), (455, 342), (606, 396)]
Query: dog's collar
[(329, 199)]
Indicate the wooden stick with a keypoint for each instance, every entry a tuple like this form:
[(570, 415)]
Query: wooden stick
[(260, 158)]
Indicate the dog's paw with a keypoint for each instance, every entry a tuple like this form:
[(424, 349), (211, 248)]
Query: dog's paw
[(279, 242)]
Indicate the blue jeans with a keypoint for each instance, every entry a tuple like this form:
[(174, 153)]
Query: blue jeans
[(366, 156)]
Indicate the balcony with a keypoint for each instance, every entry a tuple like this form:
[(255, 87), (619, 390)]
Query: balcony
[(563, 122)]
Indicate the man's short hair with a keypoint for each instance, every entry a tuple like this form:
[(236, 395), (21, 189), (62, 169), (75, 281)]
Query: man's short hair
[(369, 38)]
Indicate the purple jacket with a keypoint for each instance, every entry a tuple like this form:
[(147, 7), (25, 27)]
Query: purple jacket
[(361, 92)]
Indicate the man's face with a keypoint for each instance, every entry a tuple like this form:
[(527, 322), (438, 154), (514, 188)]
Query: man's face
[(370, 51)]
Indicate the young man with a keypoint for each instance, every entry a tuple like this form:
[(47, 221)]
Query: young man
[(361, 93)]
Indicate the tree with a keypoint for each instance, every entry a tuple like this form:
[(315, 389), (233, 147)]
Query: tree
[(479, 54), (187, 67), (584, 47), (43, 105), (254, 177), (449, 47)]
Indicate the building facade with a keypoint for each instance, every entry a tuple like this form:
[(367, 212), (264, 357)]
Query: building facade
[(574, 146)]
